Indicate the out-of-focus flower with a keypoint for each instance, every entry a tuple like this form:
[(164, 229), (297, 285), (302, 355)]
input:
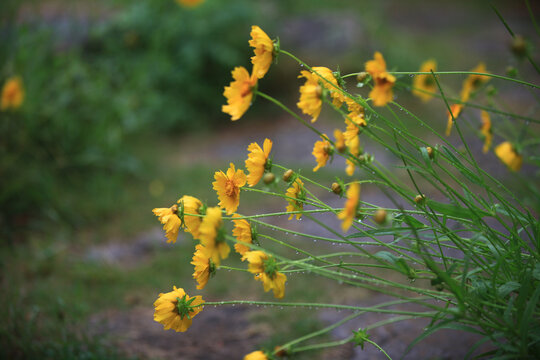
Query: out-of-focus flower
[(212, 235), (424, 85), (455, 111), (12, 94), (242, 232), (351, 206), (170, 220), (263, 49), (257, 161), (322, 150), (296, 191), (228, 187), (508, 155), (266, 270), (486, 131), (382, 92)]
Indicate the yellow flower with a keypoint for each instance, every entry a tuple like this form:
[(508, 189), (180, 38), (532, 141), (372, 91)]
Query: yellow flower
[(12, 94), (256, 355), (508, 155), (266, 270), (189, 3), (322, 151), (263, 49), (296, 191), (175, 309), (473, 82), (239, 93), (212, 235), (170, 220), (228, 187), (381, 93), (242, 233), (325, 76), (191, 205), (485, 130), (257, 161), (204, 266), (351, 206), (456, 111), (340, 140), (354, 107), (310, 95), (425, 82), (353, 143)]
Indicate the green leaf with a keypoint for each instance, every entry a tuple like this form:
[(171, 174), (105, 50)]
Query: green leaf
[(455, 210), (507, 288)]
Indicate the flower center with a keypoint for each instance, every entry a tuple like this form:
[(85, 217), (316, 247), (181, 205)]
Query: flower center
[(230, 188), (270, 267), (246, 89), (184, 307)]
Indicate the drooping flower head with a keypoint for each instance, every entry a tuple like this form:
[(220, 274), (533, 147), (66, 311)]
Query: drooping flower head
[(485, 130), (340, 140), (509, 156), (296, 191), (473, 81), (351, 206), (176, 310), (455, 111), (257, 161), (424, 85), (266, 270), (322, 150), (382, 92), (256, 355), (329, 81), (12, 94), (212, 235), (239, 93), (228, 187), (263, 49), (170, 220), (189, 3), (243, 233), (191, 205), (204, 265), (310, 95)]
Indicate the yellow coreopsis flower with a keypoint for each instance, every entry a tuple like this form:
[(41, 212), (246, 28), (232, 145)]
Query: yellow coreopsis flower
[(455, 110), (263, 49), (228, 187), (266, 270), (329, 81), (310, 95), (204, 265), (351, 206), (212, 235), (424, 85), (485, 130), (508, 155), (170, 220), (296, 191), (175, 309), (353, 143), (322, 151), (239, 93), (191, 205), (340, 140), (473, 81), (354, 107), (12, 94), (257, 161), (382, 92), (242, 233), (256, 355)]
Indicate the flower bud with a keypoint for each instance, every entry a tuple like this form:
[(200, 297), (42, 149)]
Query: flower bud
[(430, 152), (380, 216), (519, 46), (336, 188), (420, 199), (287, 175), (269, 178), (361, 76)]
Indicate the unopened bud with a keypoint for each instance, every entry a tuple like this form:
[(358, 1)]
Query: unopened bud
[(419, 199), (336, 188), (287, 175), (269, 178), (519, 46), (430, 152), (361, 76), (380, 216)]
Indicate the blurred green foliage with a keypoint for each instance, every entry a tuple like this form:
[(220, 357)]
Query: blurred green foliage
[(139, 68)]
